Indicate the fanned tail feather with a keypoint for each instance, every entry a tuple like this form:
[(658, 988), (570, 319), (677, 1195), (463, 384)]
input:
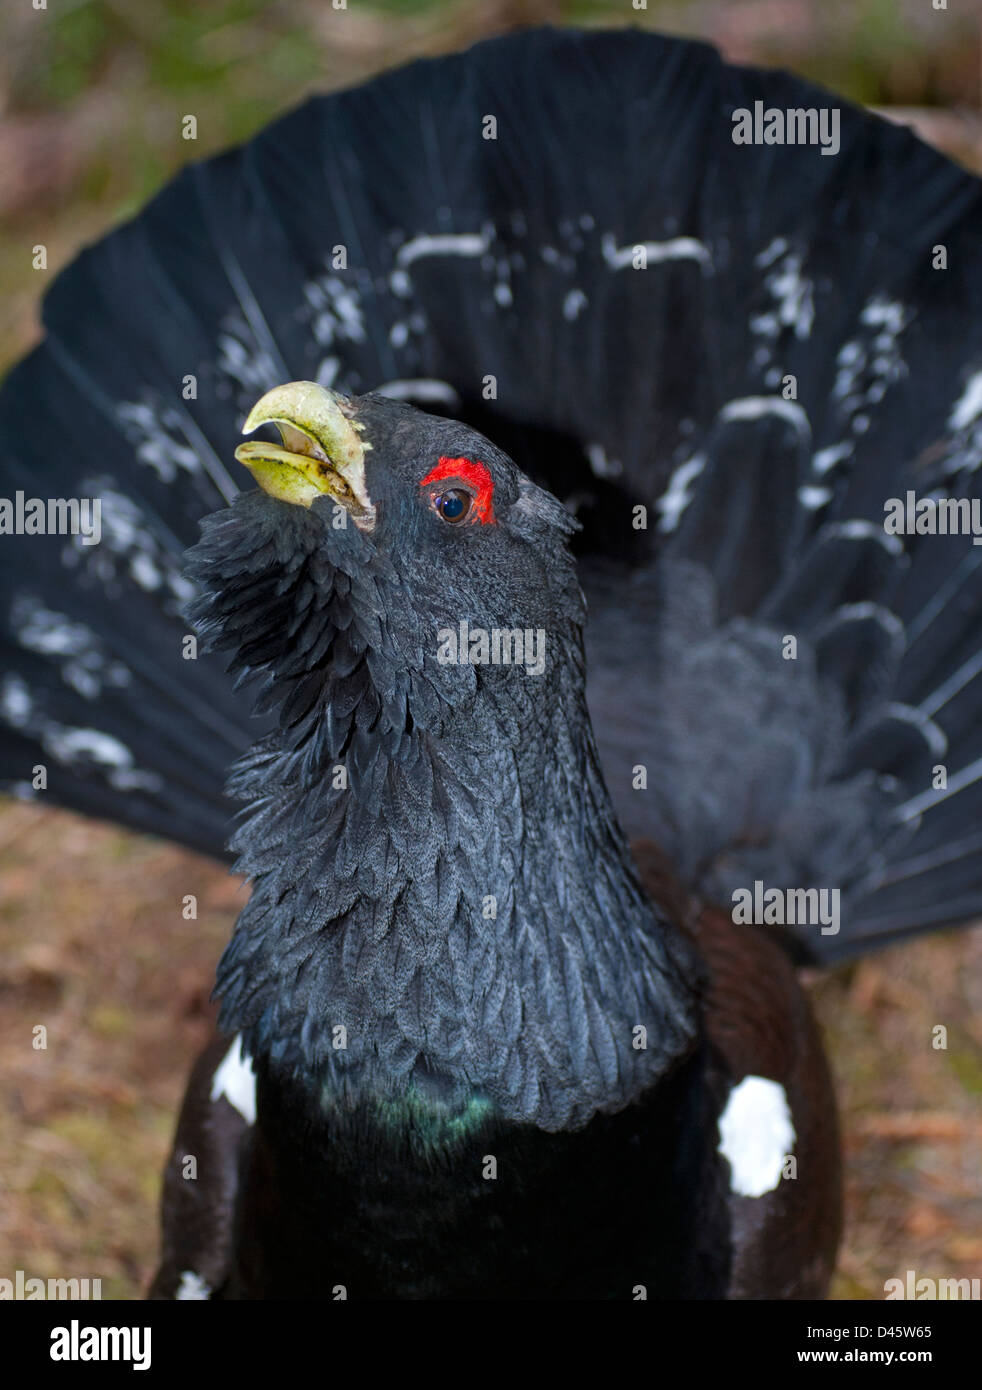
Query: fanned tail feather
[(373, 239)]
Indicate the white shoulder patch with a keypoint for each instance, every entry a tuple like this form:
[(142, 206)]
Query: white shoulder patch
[(756, 1135), (192, 1286), (236, 1081)]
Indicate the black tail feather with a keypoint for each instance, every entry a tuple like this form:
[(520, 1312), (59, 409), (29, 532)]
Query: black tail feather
[(789, 359)]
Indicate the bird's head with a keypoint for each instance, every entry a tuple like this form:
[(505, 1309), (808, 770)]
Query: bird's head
[(434, 857), (393, 564)]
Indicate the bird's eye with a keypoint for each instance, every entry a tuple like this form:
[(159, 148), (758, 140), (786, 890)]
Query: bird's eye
[(466, 490), (454, 505)]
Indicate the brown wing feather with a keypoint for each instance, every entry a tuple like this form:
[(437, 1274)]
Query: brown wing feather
[(196, 1214), (759, 1019)]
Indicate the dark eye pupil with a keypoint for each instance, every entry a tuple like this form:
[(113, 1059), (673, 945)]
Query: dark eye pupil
[(453, 505)]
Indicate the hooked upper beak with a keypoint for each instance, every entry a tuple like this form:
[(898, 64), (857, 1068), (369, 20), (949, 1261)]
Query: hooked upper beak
[(322, 453)]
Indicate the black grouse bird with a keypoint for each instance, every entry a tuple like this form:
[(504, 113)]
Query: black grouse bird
[(493, 1023)]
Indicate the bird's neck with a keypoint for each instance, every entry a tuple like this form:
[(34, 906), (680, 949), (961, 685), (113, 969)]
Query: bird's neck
[(454, 926)]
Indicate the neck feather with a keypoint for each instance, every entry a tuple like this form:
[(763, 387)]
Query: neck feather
[(455, 920)]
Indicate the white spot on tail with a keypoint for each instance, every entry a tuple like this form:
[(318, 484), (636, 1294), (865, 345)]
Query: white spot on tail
[(757, 407), (859, 530), (15, 702), (756, 1135), (828, 458), (450, 244), (192, 1286), (574, 302), (793, 293), (771, 252), (600, 464), (968, 407), (236, 1081), (680, 248), (80, 746), (814, 497), (678, 495)]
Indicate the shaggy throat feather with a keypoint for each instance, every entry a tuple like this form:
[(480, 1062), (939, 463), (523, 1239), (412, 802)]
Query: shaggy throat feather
[(441, 930)]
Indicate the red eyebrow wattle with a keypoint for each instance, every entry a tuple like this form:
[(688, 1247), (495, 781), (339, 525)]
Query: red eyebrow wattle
[(470, 471)]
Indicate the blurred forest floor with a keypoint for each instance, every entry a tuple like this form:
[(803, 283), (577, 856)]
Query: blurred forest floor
[(93, 944)]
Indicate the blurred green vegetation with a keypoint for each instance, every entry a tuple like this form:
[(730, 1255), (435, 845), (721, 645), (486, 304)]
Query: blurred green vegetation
[(238, 62)]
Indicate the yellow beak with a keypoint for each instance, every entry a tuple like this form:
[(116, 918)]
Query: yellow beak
[(322, 453)]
